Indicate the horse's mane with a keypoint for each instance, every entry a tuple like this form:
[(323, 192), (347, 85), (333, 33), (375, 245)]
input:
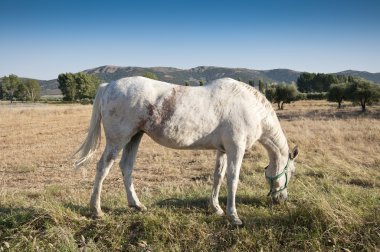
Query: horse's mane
[(259, 96), (277, 131)]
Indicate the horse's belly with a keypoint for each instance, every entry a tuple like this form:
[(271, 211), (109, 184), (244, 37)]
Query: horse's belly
[(178, 137), (175, 144)]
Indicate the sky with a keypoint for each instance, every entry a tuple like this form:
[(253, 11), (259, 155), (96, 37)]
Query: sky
[(43, 38)]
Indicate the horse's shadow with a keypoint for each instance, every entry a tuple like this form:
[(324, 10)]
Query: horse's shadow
[(13, 215), (188, 205), (203, 203), (199, 204), (13, 218), (82, 210), (85, 211), (278, 216)]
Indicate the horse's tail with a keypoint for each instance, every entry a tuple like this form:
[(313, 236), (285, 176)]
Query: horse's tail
[(92, 141)]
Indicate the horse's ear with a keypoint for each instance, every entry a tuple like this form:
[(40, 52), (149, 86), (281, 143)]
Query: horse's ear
[(293, 155)]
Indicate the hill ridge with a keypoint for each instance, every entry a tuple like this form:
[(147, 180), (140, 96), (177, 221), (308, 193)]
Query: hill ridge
[(195, 74)]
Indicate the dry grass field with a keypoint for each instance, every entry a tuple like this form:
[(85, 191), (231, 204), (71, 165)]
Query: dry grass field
[(333, 199)]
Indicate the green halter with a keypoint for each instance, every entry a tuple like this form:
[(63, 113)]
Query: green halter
[(272, 179)]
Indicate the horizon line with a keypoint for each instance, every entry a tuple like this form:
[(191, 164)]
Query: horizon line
[(209, 66)]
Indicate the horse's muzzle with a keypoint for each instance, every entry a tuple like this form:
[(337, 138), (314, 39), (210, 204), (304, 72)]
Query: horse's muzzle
[(279, 198)]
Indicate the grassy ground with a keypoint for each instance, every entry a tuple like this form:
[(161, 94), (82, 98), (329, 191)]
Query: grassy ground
[(333, 205)]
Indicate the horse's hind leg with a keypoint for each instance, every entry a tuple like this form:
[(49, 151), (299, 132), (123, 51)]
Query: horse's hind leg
[(103, 167), (220, 170), (126, 165)]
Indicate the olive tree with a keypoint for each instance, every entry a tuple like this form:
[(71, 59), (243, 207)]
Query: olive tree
[(363, 92), (337, 93), (285, 93), (270, 93)]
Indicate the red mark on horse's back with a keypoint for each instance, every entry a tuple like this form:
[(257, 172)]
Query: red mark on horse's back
[(150, 108), (160, 113), (168, 106)]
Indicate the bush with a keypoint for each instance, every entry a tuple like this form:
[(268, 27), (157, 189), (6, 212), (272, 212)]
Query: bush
[(86, 101), (301, 96), (150, 76), (316, 96)]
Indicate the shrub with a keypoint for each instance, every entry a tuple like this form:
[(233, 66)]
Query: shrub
[(86, 101), (316, 96)]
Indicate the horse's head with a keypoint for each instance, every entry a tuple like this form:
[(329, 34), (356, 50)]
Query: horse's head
[(279, 183)]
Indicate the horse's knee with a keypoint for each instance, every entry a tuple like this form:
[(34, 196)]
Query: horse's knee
[(218, 176)]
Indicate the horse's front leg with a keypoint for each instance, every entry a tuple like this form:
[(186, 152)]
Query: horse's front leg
[(234, 161), (220, 170)]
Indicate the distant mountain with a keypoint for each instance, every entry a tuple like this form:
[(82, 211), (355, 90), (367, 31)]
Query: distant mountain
[(193, 75), (375, 77), (49, 87)]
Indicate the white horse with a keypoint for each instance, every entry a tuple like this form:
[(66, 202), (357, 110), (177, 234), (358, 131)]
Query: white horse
[(225, 115)]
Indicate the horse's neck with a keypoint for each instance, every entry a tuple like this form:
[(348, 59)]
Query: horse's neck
[(274, 141)]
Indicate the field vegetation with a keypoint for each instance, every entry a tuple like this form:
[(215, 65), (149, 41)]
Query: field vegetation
[(333, 199)]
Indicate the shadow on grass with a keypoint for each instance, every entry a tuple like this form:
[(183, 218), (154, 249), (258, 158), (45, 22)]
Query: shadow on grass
[(14, 219), (80, 209), (84, 210), (203, 203)]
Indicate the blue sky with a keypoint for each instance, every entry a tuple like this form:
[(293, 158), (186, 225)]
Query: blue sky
[(43, 38)]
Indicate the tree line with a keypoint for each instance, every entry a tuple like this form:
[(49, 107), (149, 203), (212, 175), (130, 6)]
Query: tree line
[(339, 88), (335, 88), (13, 88), (320, 82)]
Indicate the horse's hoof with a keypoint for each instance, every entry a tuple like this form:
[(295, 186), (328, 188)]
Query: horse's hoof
[(237, 223), (97, 214), (140, 208), (219, 212)]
